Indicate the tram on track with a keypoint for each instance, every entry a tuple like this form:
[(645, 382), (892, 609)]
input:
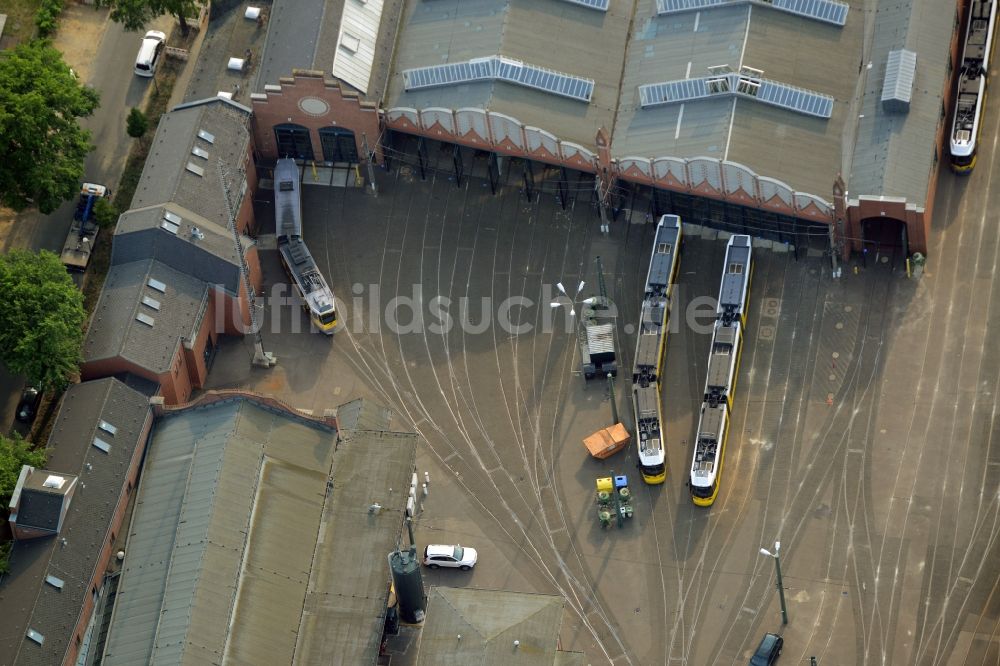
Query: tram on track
[(651, 342), (723, 367), (966, 127), (305, 276)]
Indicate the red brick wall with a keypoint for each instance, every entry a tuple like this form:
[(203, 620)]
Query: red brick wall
[(280, 104)]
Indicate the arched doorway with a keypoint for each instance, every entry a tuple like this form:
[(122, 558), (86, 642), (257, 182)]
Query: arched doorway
[(338, 145), (884, 237), (293, 141)]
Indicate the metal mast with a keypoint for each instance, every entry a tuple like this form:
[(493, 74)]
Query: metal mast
[(261, 358)]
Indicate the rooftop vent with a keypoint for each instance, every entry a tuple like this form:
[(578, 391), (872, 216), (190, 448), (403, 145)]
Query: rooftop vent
[(200, 152), (54, 481), (195, 169), (197, 233), (102, 445), (206, 136), (145, 319), (35, 636), (171, 217), (149, 303), (55, 582), (104, 425), (153, 283), (897, 88), (167, 225)]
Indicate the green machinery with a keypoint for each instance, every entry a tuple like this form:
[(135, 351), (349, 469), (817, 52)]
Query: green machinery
[(614, 500)]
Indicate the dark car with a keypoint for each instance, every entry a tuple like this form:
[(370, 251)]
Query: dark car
[(768, 650), (28, 406)]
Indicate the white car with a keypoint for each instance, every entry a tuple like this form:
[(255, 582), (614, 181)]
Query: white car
[(456, 557), (149, 53)]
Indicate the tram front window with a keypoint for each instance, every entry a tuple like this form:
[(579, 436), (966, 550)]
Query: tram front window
[(653, 470), (963, 160), (328, 318), (701, 491)]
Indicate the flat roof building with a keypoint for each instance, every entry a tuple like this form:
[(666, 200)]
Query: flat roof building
[(252, 542)]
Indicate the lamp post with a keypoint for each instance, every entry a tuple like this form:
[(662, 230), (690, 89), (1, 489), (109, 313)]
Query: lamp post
[(777, 569), (572, 301)]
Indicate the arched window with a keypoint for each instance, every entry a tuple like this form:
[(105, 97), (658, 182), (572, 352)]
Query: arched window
[(293, 141), (339, 145)]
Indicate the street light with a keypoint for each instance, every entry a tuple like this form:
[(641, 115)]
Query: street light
[(572, 301), (777, 569)]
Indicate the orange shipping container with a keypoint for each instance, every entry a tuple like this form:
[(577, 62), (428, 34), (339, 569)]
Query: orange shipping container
[(607, 441)]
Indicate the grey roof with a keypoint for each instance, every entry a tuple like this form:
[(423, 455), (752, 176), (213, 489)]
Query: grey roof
[(197, 247), (894, 153), (39, 506), (489, 621), (115, 330), (244, 519), (305, 35), (25, 599), (793, 50), (450, 31), (363, 414), (165, 176)]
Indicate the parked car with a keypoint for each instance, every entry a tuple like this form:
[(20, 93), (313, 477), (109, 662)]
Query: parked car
[(149, 53), (456, 557), (28, 406), (768, 651)]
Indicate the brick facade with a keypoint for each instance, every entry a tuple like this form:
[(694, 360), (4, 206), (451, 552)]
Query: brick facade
[(328, 105)]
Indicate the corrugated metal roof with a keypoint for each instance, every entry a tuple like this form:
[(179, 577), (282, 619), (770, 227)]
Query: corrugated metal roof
[(893, 153), (52, 610), (363, 414), (114, 330), (230, 512), (359, 26), (489, 622)]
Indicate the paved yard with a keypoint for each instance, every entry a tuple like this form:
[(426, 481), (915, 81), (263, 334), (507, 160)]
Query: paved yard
[(861, 435)]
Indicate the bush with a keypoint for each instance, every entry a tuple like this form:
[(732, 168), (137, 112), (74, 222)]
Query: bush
[(136, 124), (5, 549), (46, 16), (105, 213), (15, 453)]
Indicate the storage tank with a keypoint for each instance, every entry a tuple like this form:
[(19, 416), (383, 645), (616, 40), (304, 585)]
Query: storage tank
[(408, 584)]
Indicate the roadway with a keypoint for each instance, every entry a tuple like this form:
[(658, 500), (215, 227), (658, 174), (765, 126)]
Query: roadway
[(102, 54)]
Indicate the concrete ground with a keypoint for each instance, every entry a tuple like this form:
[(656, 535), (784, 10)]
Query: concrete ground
[(862, 435)]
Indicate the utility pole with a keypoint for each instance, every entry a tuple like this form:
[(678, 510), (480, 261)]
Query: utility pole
[(833, 249), (368, 161), (261, 358), (599, 187)]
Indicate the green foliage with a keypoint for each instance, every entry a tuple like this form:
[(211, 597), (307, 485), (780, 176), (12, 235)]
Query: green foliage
[(105, 213), (42, 146), (45, 17), (41, 318), (135, 14), (136, 124), (5, 549), (14, 453)]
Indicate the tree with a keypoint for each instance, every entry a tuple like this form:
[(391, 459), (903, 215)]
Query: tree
[(136, 124), (105, 213), (15, 453), (135, 14), (42, 146), (41, 318)]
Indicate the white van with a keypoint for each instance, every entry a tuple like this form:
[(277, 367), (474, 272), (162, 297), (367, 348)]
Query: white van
[(150, 53)]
